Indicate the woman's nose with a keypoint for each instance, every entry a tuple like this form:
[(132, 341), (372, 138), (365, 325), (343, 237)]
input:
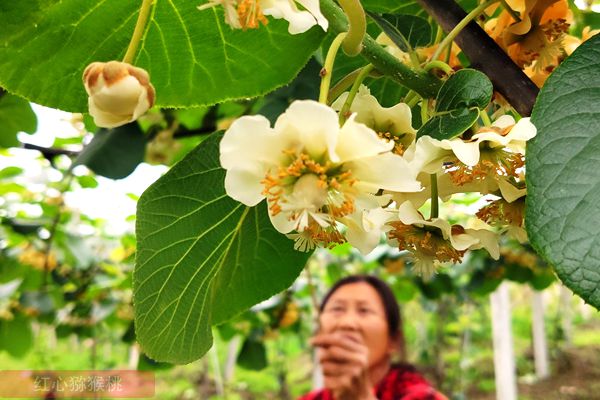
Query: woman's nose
[(348, 321)]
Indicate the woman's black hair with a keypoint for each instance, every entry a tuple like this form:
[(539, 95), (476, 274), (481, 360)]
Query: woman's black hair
[(390, 304)]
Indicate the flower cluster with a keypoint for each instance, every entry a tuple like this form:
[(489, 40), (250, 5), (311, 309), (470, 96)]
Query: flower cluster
[(364, 180)]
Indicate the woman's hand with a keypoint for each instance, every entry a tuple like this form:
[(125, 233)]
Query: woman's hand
[(344, 360)]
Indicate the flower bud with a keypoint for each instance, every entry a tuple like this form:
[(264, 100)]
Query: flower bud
[(118, 92)]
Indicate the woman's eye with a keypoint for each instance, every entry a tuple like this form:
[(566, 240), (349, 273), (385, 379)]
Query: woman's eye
[(365, 310)]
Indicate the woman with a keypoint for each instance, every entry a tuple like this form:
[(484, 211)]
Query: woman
[(359, 331)]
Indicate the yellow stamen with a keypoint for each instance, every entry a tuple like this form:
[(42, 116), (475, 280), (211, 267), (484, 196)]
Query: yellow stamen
[(250, 13), (423, 242)]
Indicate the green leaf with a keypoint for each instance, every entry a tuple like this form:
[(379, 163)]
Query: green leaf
[(562, 214), (458, 104), (449, 125), (10, 172), (406, 31), (253, 355), (192, 56), (202, 258), (16, 336), (87, 181), (404, 289), (16, 116), (467, 88), (304, 86), (114, 153)]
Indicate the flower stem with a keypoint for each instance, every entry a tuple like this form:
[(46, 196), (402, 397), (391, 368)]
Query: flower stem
[(328, 67), (435, 207), (485, 118), (343, 84), (410, 96), (357, 26), (424, 111), (460, 26), (413, 101), (348, 103), (138, 32), (439, 65), (418, 80), (512, 12)]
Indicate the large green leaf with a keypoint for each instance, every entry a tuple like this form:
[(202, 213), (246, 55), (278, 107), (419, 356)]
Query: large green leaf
[(192, 56), (114, 153), (563, 179), (16, 116), (202, 258)]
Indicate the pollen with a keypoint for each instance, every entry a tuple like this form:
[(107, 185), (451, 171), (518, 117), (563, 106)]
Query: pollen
[(493, 162), (501, 212), (398, 145), (424, 242), (331, 178), (250, 13)]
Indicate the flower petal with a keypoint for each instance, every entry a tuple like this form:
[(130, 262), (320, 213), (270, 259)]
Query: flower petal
[(244, 185), (249, 141), (300, 21), (386, 171), (358, 141), (314, 125)]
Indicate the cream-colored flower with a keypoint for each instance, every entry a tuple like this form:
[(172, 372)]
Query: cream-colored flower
[(118, 92), (434, 241), (250, 14), (392, 123), (367, 225), (312, 172), (495, 151)]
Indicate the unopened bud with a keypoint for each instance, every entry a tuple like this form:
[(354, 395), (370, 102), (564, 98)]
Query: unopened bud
[(118, 92)]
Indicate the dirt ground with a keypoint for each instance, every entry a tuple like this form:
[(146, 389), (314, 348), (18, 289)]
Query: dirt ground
[(576, 377)]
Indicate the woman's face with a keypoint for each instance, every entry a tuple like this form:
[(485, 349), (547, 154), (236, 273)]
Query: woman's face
[(356, 310)]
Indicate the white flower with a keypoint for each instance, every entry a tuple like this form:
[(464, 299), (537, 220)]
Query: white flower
[(311, 171), (300, 20), (118, 92), (249, 14), (503, 133), (493, 153), (435, 241), (394, 123), (368, 223)]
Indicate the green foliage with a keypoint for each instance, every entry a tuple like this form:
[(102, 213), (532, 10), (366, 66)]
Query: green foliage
[(253, 354), (562, 217), (458, 104), (114, 153), (406, 31), (16, 336), (201, 259), (16, 116), (192, 56)]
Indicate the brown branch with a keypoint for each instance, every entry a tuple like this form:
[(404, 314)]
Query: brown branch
[(486, 56), (49, 151)]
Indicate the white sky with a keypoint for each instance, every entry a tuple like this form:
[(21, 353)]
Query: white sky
[(108, 201)]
